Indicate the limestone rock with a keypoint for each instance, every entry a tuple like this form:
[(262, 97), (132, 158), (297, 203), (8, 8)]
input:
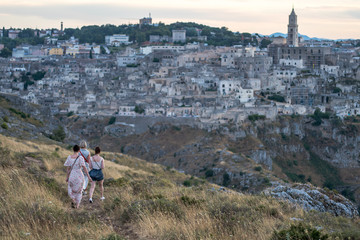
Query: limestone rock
[(312, 198)]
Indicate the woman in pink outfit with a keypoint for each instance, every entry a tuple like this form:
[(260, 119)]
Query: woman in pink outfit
[(75, 178)]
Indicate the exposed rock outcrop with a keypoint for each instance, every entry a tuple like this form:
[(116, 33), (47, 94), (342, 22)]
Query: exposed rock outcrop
[(312, 198)]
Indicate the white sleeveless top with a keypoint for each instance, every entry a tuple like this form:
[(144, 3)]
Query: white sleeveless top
[(96, 165)]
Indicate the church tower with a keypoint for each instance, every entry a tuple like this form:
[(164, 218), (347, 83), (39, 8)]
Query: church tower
[(292, 38)]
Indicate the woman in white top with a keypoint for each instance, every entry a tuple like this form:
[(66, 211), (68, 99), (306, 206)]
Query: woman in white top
[(97, 163), (74, 176)]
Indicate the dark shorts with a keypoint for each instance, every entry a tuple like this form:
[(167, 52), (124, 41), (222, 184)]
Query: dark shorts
[(96, 174)]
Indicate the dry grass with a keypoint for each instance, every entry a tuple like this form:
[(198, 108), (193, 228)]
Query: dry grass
[(30, 210), (148, 198)]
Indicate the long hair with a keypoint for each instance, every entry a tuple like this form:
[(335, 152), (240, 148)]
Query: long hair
[(83, 144)]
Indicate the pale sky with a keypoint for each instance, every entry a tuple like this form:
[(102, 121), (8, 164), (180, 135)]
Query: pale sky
[(316, 18)]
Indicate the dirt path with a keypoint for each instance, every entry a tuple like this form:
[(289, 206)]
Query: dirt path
[(124, 230)]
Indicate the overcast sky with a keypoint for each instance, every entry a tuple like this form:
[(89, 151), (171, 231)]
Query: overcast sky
[(316, 18)]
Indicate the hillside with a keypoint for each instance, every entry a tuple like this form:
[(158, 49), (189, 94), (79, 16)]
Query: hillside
[(246, 157), (143, 201)]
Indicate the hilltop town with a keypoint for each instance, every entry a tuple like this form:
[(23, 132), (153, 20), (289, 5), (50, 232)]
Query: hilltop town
[(181, 76)]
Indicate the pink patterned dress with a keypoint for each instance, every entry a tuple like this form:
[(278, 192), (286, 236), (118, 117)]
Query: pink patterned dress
[(76, 178)]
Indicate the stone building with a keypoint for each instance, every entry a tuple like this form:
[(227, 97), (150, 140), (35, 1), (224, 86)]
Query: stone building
[(292, 37), (312, 56), (179, 35)]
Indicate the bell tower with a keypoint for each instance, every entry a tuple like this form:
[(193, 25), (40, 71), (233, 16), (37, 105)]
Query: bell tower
[(292, 38)]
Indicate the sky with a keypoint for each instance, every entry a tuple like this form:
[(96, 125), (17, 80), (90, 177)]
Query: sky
[(331, 19)]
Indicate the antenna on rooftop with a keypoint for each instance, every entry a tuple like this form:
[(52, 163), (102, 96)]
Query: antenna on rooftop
[(149, 15)]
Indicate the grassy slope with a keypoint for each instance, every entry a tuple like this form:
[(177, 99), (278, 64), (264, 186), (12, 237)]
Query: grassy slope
[(143, 201)]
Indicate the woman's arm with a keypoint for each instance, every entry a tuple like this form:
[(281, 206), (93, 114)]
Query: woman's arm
[(102, 164), (67, 173), (88, 157), (87, 173), (90, 164)]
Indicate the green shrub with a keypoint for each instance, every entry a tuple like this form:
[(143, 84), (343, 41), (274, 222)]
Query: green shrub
[(187, 183), (318, 115), (4, 126), (193, 182), (337, 90), (176, 128), (17, 112), (226, 179), (299, 231), (256, 117), (266, 180), (258, 168), (277, 98), (348, 194), (139, 109), (112, 120), (189, 201), (58, 134), (132, 65), (295, 177), (38, 75), (209, 173), (6, 119), (113, 236)]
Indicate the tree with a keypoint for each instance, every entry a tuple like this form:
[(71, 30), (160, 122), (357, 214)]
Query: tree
[(139, 109), (191, 32), (112, 120), (91, 54), (140, 37), (38, 75), (5, 53), (102, 50), (26, 33), (264, 43)]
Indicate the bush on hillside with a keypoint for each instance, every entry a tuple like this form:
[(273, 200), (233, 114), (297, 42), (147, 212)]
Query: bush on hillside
[(112, 120), (58, 134), (4, 126), (226, 179), (209, 173), (318, 115), (258, 168), (256, 117), (113, 236), (299, 231)]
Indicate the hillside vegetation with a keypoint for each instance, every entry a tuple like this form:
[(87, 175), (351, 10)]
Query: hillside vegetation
[(143, 201)]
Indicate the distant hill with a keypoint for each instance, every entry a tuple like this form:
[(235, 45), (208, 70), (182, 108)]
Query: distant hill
[(279, 34)]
